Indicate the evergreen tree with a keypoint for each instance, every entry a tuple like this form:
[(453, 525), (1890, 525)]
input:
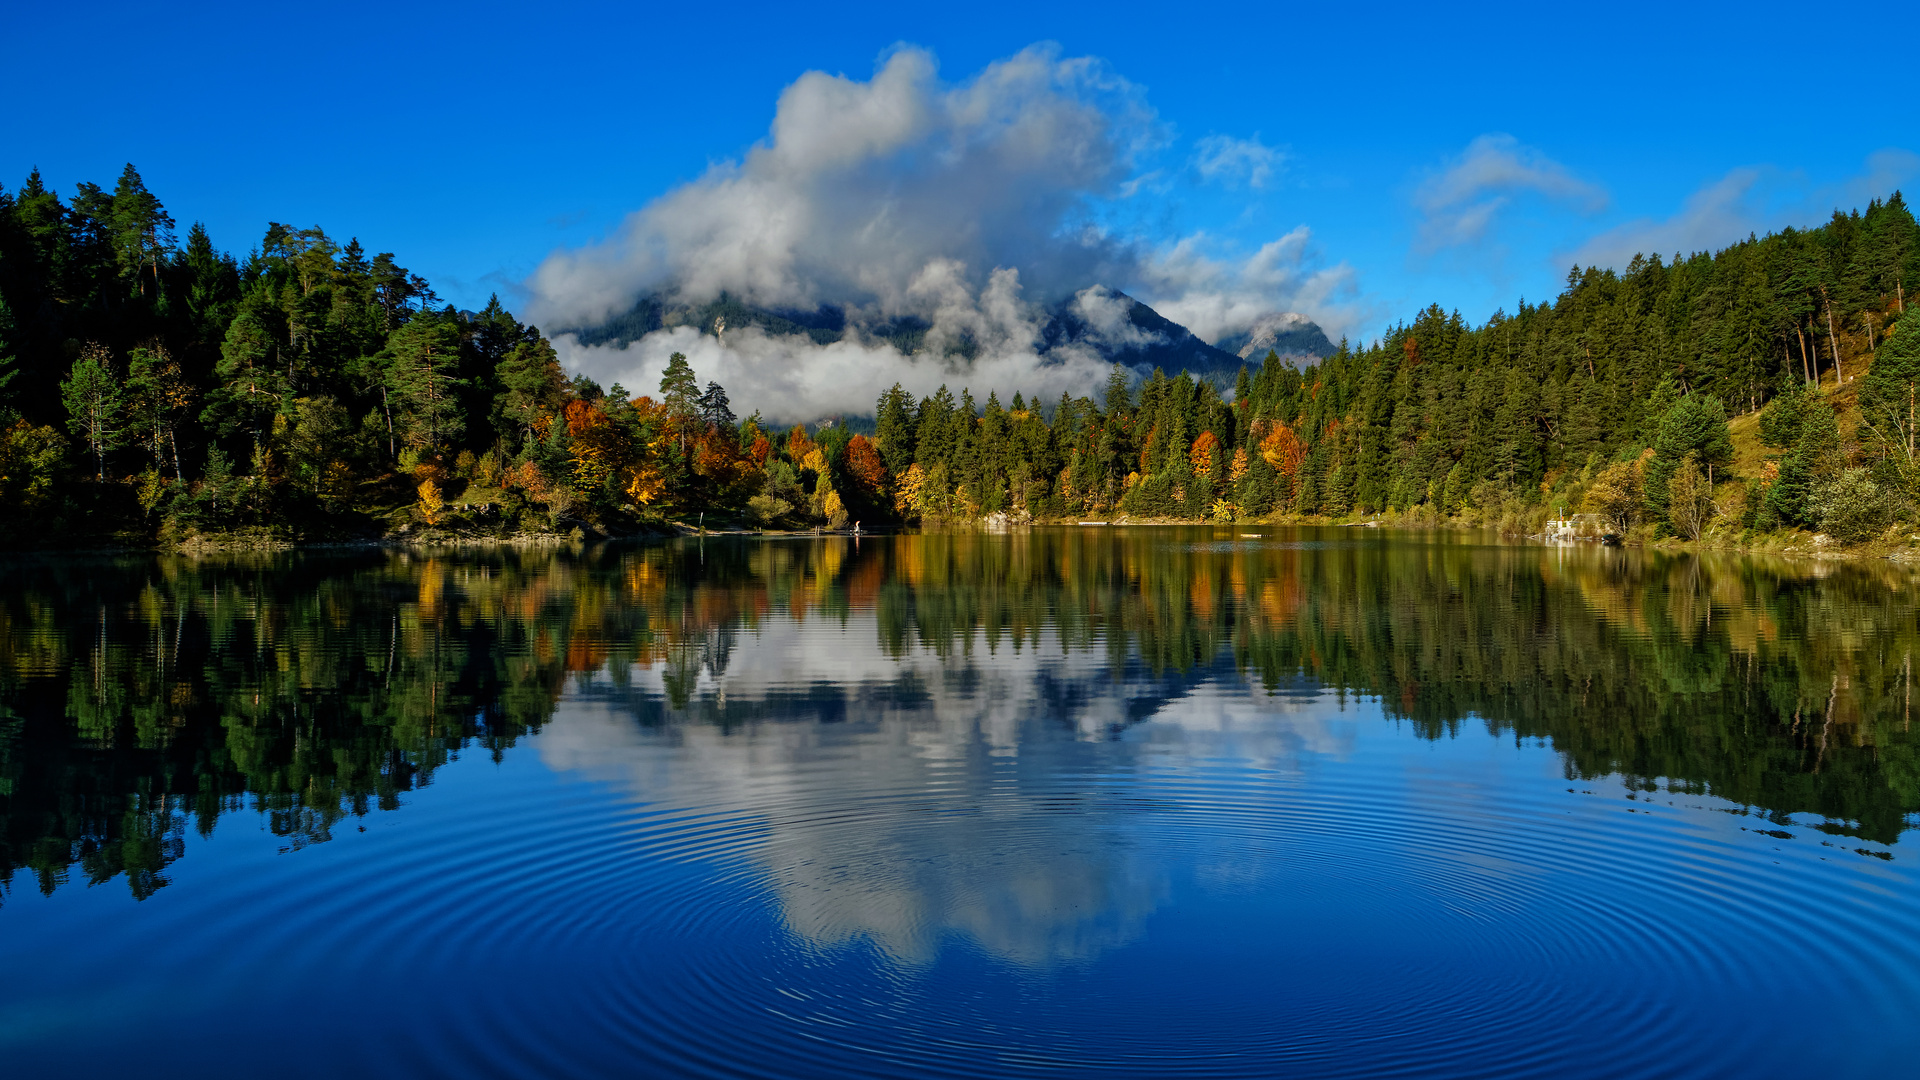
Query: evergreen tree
[(1890, 401), (142, 231), (894, 429), (714, 408), (423, 359), (531, 386)]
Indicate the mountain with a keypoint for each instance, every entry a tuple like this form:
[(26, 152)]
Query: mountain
[(1112, 326), (1121, 330), (1289, 334)]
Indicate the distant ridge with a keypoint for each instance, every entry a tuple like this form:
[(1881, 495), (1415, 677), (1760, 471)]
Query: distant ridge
[(1112, 326)]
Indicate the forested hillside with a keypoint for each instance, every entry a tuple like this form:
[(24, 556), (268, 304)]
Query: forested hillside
[(155, 388)]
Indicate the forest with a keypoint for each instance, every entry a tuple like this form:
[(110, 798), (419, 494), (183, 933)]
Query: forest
[(153, 390)]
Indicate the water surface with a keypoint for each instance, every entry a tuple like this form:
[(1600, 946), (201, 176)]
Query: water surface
[(1082, 801)]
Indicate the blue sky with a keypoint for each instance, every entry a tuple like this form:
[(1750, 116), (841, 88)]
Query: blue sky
[(1462, 157)]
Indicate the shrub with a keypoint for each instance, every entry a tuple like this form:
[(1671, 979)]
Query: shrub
[(767, 509), (1850, 507)]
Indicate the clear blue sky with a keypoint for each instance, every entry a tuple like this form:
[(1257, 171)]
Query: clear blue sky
[(472, 139)]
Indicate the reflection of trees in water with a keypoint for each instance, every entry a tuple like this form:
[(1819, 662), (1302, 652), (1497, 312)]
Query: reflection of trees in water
[(144, 697)]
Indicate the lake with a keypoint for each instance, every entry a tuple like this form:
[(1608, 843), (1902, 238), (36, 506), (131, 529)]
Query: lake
[(1181, 801)]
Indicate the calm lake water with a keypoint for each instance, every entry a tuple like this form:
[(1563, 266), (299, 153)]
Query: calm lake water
[(1103, 802)]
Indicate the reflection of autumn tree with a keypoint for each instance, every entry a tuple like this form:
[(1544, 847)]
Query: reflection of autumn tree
[(145, 697)]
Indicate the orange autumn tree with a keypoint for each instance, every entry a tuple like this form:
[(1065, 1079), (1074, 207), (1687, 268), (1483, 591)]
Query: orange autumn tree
[(1282, 449), (620, 453), (733, 470), (866, 473), (799, 446), (1205, 451), (600, 448)]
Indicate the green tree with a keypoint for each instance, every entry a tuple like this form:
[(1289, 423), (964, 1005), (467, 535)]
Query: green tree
[(142, 231), (531, 385), (1813, 459), (1697, 425), (679, 389), (158, 397), (95, 406), (423, 364), (316, 446), (252, 386), (894, 429), (1890, 401)]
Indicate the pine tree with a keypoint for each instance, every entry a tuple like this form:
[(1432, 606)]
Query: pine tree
[(531, 386), (1890, 401), (894, 429), (714, 408), (142, 231), (423, 359)]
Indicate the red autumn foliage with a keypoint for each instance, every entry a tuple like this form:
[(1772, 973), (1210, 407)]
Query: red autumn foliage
[(864, 464)]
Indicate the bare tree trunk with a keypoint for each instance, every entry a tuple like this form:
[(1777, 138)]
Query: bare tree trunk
[(1833, 341), (1801, 334)]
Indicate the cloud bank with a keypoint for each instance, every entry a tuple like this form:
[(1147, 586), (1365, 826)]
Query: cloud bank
[(971, 206), (1749, 199)]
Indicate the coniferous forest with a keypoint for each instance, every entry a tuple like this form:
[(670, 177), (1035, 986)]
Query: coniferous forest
[(155, 389)]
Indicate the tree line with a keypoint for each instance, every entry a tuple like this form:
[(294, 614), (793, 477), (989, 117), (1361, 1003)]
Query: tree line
[(155, 387)]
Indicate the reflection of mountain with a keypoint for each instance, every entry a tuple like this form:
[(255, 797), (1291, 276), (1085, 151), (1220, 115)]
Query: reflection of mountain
[(971, 804), (141, 697)]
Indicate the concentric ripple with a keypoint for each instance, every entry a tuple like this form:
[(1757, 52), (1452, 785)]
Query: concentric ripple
[(1040, 862), (1302, 891)]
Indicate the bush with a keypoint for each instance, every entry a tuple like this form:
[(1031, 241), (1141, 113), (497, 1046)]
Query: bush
[(1616, 495), (767, 509), (1850, 507)]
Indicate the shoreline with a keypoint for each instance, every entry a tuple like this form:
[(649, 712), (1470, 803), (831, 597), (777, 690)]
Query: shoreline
[(1905, 548)]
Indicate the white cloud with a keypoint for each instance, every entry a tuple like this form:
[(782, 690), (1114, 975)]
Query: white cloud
[(1215, 296), (972, 206), (859, 186), (1713, 216), (1031, 887), (1747, 200), (1230, 161), (1459, 204)]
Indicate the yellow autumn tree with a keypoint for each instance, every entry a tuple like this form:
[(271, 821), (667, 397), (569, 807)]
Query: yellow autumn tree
[(1202, 454)]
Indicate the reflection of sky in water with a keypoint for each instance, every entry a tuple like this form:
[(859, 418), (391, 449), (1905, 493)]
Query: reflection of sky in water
[(1001, 804)]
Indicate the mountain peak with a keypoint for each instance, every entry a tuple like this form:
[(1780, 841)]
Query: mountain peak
[(1288, 333)]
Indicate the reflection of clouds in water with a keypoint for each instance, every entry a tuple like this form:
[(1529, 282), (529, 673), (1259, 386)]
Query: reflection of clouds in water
[(994, 804)]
